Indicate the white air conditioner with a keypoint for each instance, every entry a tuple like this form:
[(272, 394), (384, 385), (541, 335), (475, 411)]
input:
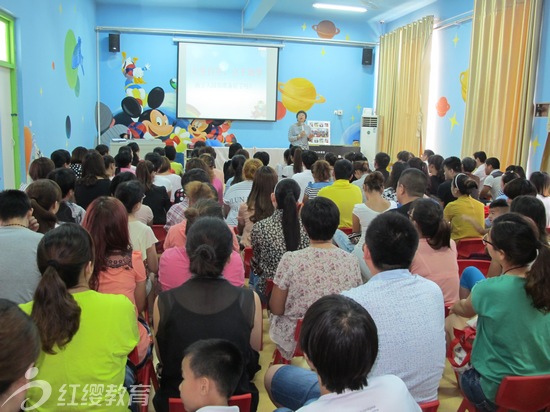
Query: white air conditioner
[(369, 137)]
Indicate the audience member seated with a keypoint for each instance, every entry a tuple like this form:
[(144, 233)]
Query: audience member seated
[(437, 174), (412, 185), (156, 197), (512, 312), (215, 366), (541, 181), (390, 192), (61, 158), (468, 167), (228, 171), (381, 162), (135, 152), (77, 157), (258, 206), (20, 344), (451, 167), (156, 159), (214, 179), (305, 275), (110, 167), (480, 158), (102, 149), (90, 331), (519, 187), (295, 165), (263, 157), (279, 233), (237, 164), (209, 150), (342, 192), (238, 192), (177, 167), (425, 156), (464, 205), (94, 182), (305, 177), (123, 161), (39, 169), (321, 171), (206, 306), (435, 258), (491, 185), (45, 198), (174, 262), (19, 275), (69, 212), (144, 214), (175, 180), (341, 342)]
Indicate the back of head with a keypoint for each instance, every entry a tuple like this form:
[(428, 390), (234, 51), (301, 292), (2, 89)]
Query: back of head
[(495, 204), (102, 149), (108, 160), (340, 339), (321, 171), (218, 360), (198, 190), (331, 158), (534, 209), (263, 157), (65, 179), (436, 161), (343, 169), (541, 181), (392, 241), (519, 187), (403, 156), (20, 344), (397, 170), (208, 150), (170, 152), (481, 156), (296, 153), (44, 193), (286, 157), (259, 199), (374, 182), (464, 184), (237, 163), (428, 216), (414, 182), (121, 178), (160, 151), (201, 208), (93, 167), (361, 166), (320, 217), (493, 162), (14, 204), (62, 255), (287, 193), (164, 165), (468, 165), (196, 163), (123, 159), (209, 246), (208, 159), (453, 163), (155, 158), (427, 153), (199, 144), (309, 157), (193, 175), (130, 194), (518, 170), (40, 168), (60, 157), (233, 148), (243, 152), (250, 167), (382, 160), (144, 174), (78, 154), (417, 163)]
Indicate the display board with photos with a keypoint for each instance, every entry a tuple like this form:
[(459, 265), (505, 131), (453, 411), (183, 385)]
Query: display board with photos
[(320, 130)]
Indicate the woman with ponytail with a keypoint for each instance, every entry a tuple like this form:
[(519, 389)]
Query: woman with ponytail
[(513, 325), (86, 336), (464, 209), (435, 258), (45, 198), (281, 232), (117, 268), (206, 306)]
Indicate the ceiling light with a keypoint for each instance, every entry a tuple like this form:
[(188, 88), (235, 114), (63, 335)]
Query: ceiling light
[(339, 7)]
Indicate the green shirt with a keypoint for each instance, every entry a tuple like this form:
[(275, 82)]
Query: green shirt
[(90, 369), (512, 336), (346, 196)]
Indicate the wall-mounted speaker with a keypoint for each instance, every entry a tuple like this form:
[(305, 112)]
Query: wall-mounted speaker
[(367, 56), (114, 42)]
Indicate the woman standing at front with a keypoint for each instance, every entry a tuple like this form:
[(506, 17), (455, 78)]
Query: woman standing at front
[(300, 133)]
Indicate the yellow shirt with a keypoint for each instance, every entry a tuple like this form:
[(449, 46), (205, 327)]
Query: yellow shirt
[(455, 211), (88, 373), (346, 196), (177, 168)]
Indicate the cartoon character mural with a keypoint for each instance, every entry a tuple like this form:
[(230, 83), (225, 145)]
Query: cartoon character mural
[(210, 131), (134, 78), (73, 59)]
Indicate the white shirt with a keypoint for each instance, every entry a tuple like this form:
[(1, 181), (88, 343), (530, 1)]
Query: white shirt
[(480, 172), (546, 202), (288, 171), (163, 181), (175, 184), (219, 409), (494, 183), (234, 196), (385, 393), (303, 179)]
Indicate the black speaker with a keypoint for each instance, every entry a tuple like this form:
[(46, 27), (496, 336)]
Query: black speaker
[(367, 57), (114, 42)]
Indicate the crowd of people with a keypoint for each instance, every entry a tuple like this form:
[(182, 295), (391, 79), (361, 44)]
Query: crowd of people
[(364, 260)]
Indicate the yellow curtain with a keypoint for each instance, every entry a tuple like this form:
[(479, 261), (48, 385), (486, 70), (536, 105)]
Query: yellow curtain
[(503, 60), (402, 87)]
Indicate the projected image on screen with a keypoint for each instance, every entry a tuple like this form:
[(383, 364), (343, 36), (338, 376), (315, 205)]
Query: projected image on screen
[(218, 81)]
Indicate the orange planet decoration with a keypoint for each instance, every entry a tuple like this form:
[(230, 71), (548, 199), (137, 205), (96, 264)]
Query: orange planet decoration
[(281, 110), (326, 29), (28, 146), (299, 94), (442, 106)]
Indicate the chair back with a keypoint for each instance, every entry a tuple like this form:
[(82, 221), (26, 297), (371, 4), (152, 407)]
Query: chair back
[(242, 401), (247, 257), (429, 406), (524, 393), (470, 246), (482, 265), (160, 234)]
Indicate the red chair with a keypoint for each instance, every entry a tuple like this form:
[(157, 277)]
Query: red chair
[(469, 246), (268, 290), (482, 265), (246, 260), (278, 358), (429, 406), (146, 376), (160, 234), (486, 211), (520, 394), (242, 401)]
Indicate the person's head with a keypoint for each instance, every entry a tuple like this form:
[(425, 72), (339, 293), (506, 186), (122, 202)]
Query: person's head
[(61, 158), (102, 149), (343, 169), (259, 200), (106, 220), (349, 156), (65, 179), (154, 158), (462, 185), (285, 197), (427, 216), (451, 167), (135, 151), (198, 190), (517, 169), (120, 178), (202, 207), (262, 157), (193, 175), (208, 150), (287, 158), (199, 144), (110, 165), (412, 184), (208, 159), (243, 152), (390, 242), (209, 246), (78, 154), (145, 173), (480, 157), (160, 151), (164, 165), (403, 156), (381, 160), (211, 370), (435, 166), (197, 163), (14, 204), (374, 183), (309, 157), (320, 217), (340, 341), (123, 159), (45, 197), (170, 152), (321, 171), (233, 148), (131, 195), (301, 116), (237, 163), (296, 154), (331, 158), (468, 165), (20, 344), (39, 168), (514, 242), (360, 167), (93, 167), (250, 168), (519, 187), (65, 259), (426, 154), (534, 209), (491, 164), (397, 170), (417, 163), (497, 208), (541, 181)]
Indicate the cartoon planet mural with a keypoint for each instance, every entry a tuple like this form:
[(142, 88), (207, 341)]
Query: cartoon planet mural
[(68, 127), (299, 94), (464, 83), (281, 110), (442, 106), (73, 59), (326, 29)]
